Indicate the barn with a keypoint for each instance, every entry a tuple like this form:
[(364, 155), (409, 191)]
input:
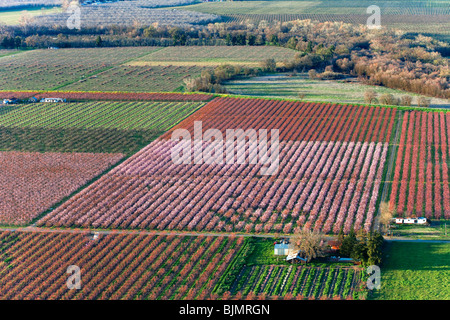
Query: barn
[(281, 249), (53, 100)]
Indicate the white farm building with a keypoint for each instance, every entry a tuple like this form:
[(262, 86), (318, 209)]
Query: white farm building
[(53, 100)]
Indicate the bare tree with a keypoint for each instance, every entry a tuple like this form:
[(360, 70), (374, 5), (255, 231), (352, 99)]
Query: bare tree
[(406, 100), (190, 84), (423, 102), (389, 99), (312, 244), (370, 96), (386, 214), (312, 74)]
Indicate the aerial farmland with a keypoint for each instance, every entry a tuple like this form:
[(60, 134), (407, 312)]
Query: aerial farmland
[(251, 156)]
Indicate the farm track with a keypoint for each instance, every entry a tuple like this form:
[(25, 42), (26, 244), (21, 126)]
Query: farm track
[(389, 169), (33, 228)]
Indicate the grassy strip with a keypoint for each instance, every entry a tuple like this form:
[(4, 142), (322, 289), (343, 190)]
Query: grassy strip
[(234, 268)]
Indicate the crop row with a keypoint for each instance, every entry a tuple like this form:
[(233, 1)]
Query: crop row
[(294, 281), (421, 185), (32, 182), (97, 95), (97, 140), (34, 266), (49, 69), (133, 96), (328, 186), (127, 13), (317, 184), (138, 79), (157, 116)]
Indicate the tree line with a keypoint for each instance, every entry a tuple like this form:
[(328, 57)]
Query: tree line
[(333, 50)]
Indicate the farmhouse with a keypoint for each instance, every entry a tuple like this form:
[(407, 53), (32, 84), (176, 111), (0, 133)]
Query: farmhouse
[(281, 248), (10, 101), (295, 257), (53, 100), (334, 245), (417, 221)]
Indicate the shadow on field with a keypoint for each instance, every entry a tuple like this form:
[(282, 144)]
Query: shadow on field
[(416, 256)]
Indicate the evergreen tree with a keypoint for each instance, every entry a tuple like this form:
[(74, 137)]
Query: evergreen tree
[(98, 42), (347, 244)]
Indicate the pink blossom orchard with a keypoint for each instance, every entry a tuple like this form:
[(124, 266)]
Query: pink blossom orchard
[(31, 182)]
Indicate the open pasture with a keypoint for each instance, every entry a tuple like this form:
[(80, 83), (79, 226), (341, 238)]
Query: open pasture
[(291, 86), (415, 271)]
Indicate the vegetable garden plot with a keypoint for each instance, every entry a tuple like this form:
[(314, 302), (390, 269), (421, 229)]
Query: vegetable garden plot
[(32, 182), (321, 182), (297, 281), (113, 266)]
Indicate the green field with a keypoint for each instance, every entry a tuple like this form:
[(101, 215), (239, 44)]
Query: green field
[(158, 116), (13, 17), (291, 86), (214, 56), (415, 271)]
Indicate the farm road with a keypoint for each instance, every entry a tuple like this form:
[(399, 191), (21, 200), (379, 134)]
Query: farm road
[(181, 233)]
